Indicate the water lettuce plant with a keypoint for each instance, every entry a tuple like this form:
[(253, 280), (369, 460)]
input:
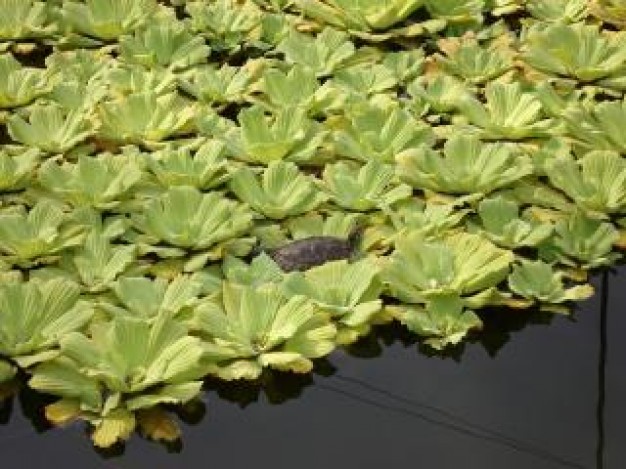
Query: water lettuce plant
[(102, 183), (508, 114), (282, 190), (107, 19), (126, 365), (95, 265), (257, 327), (36, 315), (186, 218), (24, 20), (17, 170), (466, 166), (582, 241), (559, 11), (596, 182), (205, 169), (539, 281), (461, 264), (474, 62), (36, 235), (442, 322), (288, 134), (378, 132), (370, 187), (216, 86), (360, 15), (598, 127), (226, 23), (125, 119), (322, 54), (349, 292), (20, 85), (50, 128), (579, 51), (164, 43), (234, 188), (501, 223), (143, 298)]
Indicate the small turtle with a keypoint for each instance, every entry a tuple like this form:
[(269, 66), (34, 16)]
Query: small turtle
[(306, 253)]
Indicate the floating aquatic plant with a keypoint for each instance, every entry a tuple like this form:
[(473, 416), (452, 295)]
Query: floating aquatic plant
[(127, 365), (107, 19), (36, 315), (349, 292), (258, 327), (282, 191), (466, 166), (51, 128), (538, 281), (36, 235), (20, 85), (224, 188)]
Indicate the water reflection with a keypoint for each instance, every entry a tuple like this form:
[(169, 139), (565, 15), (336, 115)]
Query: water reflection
[(276, 387), (452, 400)]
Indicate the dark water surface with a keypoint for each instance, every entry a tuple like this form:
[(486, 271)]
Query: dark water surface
[(536, 392)]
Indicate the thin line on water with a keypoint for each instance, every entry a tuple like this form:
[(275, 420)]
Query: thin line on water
[(510, 443), (602, 357)]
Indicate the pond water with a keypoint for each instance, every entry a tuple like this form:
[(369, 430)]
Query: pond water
[(533, 391)]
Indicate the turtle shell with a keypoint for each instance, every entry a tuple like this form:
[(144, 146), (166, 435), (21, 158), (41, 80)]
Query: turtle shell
[(310, 252)]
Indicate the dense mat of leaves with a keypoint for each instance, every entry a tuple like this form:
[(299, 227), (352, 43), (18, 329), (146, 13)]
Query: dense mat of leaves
[(155, 154)]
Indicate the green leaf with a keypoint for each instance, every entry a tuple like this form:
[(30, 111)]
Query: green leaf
[(24, 19), (35, 315), (17, 170), (474, 63), (443, 322), (282, 191), (538, 281), (598, 126), (322, 55), (372, 186), (101, 182), (580, 51), (508, 113), (258, 326), (184, 217), (213, 85), (60, 377), (261, 270), (20, 85), (359, 14), (29, 236), (287, 135), (165, 43), (558, 11), (582, 240), (50, 128), (466, 166), (380, 133), (107, 19), (145, 117), (457, 11), (502, 224), (462, 263), (205, 169), (349, 292), (596, 182), (147, 299), (226, 23)]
